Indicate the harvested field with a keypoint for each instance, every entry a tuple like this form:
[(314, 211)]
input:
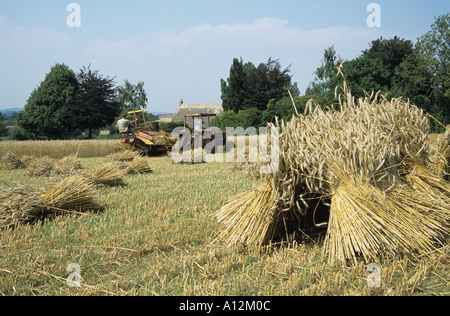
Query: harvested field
[(154, 238)]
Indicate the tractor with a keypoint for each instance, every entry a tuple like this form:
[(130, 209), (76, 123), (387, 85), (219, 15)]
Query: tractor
[(147, 141), (199, 125)]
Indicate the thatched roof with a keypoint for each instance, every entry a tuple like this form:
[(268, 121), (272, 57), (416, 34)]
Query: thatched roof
[(208, 108), (204, 108), (165, 118)]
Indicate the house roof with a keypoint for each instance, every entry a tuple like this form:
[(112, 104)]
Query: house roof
[(199, 108)]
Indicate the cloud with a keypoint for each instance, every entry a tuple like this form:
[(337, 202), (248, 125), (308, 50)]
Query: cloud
[(36, 40), (268, 34), (192, 62)]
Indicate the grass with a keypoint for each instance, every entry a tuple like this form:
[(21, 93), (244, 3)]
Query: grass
[(155, 238)]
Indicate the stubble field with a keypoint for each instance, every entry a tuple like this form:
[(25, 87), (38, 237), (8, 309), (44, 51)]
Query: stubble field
[(155, 237)]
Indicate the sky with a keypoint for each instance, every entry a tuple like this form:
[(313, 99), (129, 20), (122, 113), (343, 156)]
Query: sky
[(181, 49)]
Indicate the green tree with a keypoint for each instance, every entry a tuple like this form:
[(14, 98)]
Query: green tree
[(324, 73), (251, 118), (3, 129), (253, 87), (227, 119), (93, 107), (424, 76), (132, 97), (18, 133), (233, 89), (283, 109), (391, 52), (364, 74), (268, 81), (43, 111)]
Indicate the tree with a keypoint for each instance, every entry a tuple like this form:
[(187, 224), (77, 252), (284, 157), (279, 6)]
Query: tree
[(233, 89), (364, 74), (251, 118), (94, 106), (132, 97), (227, 119), (43, 111), (283, 109), (253, 87), (268, 81), (391, 52), (327, 70), (424, 76), (3, 129), (18, 133)]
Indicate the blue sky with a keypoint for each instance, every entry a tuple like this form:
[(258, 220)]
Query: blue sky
[(181, 48)]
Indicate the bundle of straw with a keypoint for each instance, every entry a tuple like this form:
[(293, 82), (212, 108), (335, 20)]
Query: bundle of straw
[(68, 165), (25, 204), (248, 218), (361, 156), (20, 205), (47, 167), (440, 154), (138, 165), (73, 193), (41, 167), (9, 161), (366, 221), (108, 174)]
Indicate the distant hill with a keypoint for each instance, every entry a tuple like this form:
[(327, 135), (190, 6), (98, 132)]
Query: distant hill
[(159, 113), (10, 111)]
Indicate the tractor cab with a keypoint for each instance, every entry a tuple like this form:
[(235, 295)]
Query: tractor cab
[(199, 125)]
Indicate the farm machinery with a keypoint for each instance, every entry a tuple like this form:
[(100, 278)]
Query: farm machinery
[(147, 140), (202, 134)]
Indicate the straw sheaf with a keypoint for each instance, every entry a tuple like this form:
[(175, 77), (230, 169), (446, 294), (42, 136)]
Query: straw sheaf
[(41, 167), (49, 167), (440, 154), (108, 174), (367, 156), (248, 218), (68, 165), (369, 132), (10, 161), (367, 221), (25, 204), (129, 161), (139, 165)]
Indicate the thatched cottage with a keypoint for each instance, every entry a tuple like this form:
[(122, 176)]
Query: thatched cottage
[(203, 108)]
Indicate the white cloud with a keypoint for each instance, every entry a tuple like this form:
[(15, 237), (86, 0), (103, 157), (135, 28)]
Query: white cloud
[(36, 40), (190, 63), (268, 34)]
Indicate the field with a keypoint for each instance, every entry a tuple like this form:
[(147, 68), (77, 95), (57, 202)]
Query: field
[(155, 237)]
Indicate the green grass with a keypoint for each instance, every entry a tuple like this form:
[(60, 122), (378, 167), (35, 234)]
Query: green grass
[(155, 238)]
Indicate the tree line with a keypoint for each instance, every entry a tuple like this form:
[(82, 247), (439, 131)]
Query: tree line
[(419, 71), (66, 104)]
